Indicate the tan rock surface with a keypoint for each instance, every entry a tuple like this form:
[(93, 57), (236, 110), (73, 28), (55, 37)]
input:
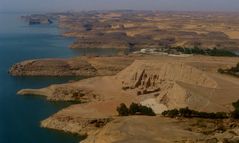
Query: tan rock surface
[(152, 29), (84, 66), (158, 129), (182, 82), (142, 129), (171, 83)]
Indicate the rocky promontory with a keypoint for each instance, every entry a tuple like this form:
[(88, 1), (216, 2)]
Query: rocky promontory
[(84, 66)]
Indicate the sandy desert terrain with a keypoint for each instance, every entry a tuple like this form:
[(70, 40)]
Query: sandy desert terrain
[(152, 29), (161, 82)]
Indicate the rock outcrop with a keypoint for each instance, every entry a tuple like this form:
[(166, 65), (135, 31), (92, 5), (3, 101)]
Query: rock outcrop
[(163, 83), (83, 119), (63, 93), (37, 19), (150, 75), (53, 67), (85, 66)]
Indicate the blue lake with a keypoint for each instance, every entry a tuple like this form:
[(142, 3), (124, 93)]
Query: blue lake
[(21, 115)]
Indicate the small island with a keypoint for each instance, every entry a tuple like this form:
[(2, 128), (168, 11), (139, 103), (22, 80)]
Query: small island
[(36, 19)]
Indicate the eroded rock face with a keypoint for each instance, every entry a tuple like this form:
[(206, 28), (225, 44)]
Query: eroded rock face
[(73, 94), (53, 67), (83, 119), (145, 84), (64, 92), (164, 84), (150, 75), (80, 125), (84, 66)]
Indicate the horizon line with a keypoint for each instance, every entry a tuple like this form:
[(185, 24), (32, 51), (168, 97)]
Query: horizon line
[(154, 10)]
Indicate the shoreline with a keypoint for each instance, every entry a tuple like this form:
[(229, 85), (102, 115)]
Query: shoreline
[(101, 101), (153, 81)]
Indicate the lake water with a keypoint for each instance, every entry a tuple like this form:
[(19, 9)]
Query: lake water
[(20, 116)]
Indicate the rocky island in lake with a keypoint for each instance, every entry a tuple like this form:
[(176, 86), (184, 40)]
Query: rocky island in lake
[(37, 19)]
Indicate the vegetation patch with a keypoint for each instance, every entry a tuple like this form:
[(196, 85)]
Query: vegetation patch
[(234, 71), (188, 113), (134, 109), (209, 52), (235, 113)]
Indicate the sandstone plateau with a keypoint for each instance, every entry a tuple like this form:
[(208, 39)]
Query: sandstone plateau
[(151, 29)]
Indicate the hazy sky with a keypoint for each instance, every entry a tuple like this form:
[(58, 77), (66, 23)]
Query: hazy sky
[(78, 5)]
